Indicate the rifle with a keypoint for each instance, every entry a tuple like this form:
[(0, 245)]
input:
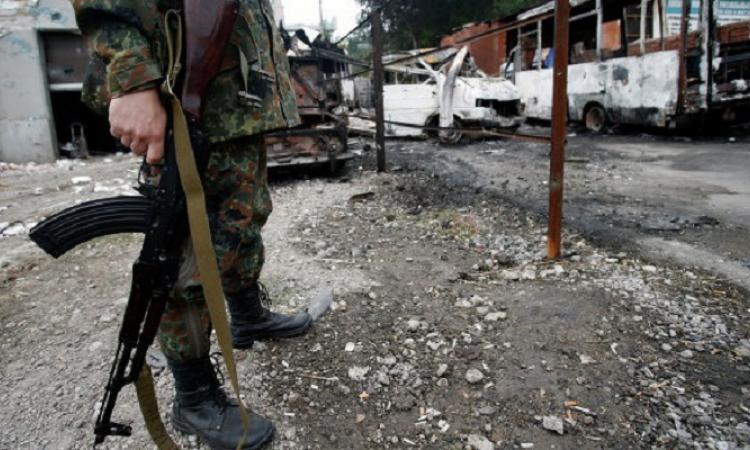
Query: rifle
[(160, 213)]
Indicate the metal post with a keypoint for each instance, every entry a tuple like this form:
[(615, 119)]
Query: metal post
[(662, 20), (559, 128), (322, 20), (378, 80), (599, 29), (518, 60), (539, 44), (644, 13), (707, 35), (682, 63)]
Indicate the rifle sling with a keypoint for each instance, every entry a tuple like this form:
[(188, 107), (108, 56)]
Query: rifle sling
[(144, 388), (205, 255)]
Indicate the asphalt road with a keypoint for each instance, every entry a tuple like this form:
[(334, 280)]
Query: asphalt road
[(685, 200)]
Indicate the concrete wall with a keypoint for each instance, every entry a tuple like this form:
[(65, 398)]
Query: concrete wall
[(27, 131)]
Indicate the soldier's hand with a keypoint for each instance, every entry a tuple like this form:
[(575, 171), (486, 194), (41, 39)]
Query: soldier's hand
[(139, 121)]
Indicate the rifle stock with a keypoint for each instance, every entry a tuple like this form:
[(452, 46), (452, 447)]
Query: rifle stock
[(209, 26)]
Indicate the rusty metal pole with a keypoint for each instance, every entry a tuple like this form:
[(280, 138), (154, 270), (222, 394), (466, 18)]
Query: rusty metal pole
[(682, 52), (644, 15), (707, 35), (599, 29), (559, 128), (378, 80), (662, 28)]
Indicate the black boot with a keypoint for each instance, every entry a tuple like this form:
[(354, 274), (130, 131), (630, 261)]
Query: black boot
[(251, 321), (201, 408)]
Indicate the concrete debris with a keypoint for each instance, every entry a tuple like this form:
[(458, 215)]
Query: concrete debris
[(479, 442), (413, 325), (358, 373), (495, 316), (474, 376), (321, 304), (12, 229), (487, 410), (743, 350), (554, 424), (81, 180)]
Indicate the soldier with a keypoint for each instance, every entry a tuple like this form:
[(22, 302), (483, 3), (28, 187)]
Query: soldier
[(251, 95)]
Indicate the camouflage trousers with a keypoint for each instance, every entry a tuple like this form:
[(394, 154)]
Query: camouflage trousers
[(239, 203)]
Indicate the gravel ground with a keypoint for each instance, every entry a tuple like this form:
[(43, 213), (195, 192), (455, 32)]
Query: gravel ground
[(449, 329)]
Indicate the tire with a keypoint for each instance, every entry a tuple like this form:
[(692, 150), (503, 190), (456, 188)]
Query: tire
[(452, 137), (595, 118)]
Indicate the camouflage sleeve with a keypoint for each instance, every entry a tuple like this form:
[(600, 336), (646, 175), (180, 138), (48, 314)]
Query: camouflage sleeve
[(115, 36)]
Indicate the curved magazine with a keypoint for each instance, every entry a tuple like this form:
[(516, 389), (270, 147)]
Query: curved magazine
[(72, 227)]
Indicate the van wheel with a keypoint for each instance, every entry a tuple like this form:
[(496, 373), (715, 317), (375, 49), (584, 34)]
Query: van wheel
[(452, 137), (595, 118)]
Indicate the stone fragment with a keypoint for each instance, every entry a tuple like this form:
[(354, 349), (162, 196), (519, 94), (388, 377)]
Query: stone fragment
[(479, 442), (474, 376), (495, 316), (554, 424), (358, 373)]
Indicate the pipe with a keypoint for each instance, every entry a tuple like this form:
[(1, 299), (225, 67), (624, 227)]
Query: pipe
[(559, 128)]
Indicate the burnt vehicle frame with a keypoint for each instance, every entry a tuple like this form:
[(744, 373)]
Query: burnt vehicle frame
[(322, 139)]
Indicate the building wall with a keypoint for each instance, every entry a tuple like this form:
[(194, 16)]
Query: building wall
[(488, 52), (27, 131)]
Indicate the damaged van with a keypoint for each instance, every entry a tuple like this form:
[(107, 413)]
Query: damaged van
[(418, 100)]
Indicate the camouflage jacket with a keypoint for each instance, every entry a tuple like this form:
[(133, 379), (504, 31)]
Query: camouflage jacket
[(128, 53)]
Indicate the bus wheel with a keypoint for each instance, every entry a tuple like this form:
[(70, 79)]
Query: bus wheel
[(595, 118)]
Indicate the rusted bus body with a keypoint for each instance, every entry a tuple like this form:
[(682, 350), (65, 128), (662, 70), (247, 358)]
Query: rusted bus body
[(731, 80), (626, 87), (322, 139), (629, 63), (729, 62), (650, 77)]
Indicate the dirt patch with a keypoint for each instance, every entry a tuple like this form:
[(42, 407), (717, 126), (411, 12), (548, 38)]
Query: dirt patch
[(449, 329)]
